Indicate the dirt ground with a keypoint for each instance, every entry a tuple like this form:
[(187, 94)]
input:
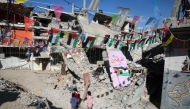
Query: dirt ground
[(50, 85), (36, 83)]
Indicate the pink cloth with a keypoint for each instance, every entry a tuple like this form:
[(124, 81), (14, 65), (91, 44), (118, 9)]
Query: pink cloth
[(89, 101), (117, 59)]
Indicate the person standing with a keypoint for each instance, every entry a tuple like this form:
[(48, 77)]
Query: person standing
[(28, 55), (89, 100), (73, 102)]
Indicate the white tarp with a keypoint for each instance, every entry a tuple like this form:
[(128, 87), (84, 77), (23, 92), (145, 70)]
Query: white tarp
[(13, 62)]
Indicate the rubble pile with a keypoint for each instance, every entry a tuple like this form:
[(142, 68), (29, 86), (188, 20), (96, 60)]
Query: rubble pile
[(21, 98)]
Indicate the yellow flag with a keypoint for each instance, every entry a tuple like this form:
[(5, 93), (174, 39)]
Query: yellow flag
[(66, 35), (168, 41), (21, 1)]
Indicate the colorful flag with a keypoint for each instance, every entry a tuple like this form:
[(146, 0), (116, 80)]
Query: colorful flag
[(141, 43), (91, 14), (26, 40), (118, 44), (15, 43), (91, 41), (106, 38), (110, 42), (130, 45), (156, 10), (137, 44), (58, 11), (150, 20), (136, 18), (114, 18), (66, 35), (165, 28), (181, 20), (20, 1), (168, 41), (28, 22), (73, 39)]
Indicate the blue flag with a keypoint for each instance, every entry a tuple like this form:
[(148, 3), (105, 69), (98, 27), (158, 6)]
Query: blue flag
[(91, 14), (157, 22), (149, 20)]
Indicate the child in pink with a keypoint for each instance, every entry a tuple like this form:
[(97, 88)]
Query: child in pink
[(89, 100)]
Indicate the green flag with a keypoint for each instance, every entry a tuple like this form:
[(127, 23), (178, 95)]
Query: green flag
[(114, 18)]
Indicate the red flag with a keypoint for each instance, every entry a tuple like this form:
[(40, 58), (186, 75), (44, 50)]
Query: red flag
[(183, 47), (136, 18), (28, 22), (166, 28), (58, 10), (181, 20)]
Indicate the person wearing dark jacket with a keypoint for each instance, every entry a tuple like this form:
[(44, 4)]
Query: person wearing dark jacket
[(98, 72)]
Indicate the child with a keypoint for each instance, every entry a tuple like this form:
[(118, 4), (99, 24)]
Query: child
[(73, 102), (89, 100), (76, 93)]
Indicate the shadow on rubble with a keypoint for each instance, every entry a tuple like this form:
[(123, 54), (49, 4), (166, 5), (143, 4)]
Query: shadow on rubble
[(8, 97), (155, 69), (73, 74)]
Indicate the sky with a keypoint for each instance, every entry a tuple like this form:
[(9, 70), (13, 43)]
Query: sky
[(143, 8)]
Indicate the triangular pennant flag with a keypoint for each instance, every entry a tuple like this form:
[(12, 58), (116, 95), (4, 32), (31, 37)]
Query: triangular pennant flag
[(157, 22), (181, 20), (91, 14), (26, 40), (136, 18), (114, 18), (58, 11), (149, 20), (106, 38), (91, 41), (167, 21), (183, 47), (28, 22), (129, 43), (110, 42), (137, 44), (20, 1), (165, 28), (73, 39), (66, 35)]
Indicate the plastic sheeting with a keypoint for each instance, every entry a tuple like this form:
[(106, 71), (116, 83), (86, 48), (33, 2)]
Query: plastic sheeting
[(14, 62)]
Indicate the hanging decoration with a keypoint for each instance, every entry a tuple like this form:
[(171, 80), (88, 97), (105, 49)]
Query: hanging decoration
[(150, 20), (28, 22), (90, 43), (91, 14), (168, 41), (58, 11), (136, 18), (20, 1), (114, 18), (73, 39)]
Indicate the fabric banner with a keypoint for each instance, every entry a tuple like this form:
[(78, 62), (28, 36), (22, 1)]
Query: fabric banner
[(58, 11), (20, 1), (91, 41), (136, 18), (26, 40), (168, 41), (117, 59), (28, 22), (73, 39), (149, 20), (120, 76), (156, 10), (115, 18), (91, 14)]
